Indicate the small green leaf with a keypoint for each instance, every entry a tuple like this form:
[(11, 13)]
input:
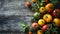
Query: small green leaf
[(55, 30), (24, 25), (54, 1), (50, 26)]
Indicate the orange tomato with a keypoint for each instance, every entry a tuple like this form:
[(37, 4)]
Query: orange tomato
[(33, 0), (28, 4), (42, 9), (47, 17), (29, 32), (49, 7)]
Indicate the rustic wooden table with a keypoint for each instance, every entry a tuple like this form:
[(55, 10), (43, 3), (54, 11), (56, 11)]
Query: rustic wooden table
[(11, 13)]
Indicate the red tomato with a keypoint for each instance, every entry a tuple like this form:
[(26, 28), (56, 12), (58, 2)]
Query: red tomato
[(56, 13), (44, 28), (34, 26)]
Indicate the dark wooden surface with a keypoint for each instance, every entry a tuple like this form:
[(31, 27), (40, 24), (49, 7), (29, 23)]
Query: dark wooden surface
[(11, 13)]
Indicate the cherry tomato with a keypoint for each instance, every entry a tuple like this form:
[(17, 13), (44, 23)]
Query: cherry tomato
[(49, 7), (37, 15), (28, 4), (39, 32), (41, 22), (44, 28), (56, 13), (56, 22), (34, 26), (47, 18)]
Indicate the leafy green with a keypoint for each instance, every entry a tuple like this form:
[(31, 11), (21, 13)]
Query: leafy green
[(24, 25), (54, 1), (54, 30), (36, 6), (42, 0)]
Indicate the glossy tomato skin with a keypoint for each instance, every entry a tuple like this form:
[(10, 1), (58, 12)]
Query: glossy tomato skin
[(34, 26), (49, 7), (56, 13), (41, 22), (42, 10), (37, 15), (39, 32), (48, 18), (56, 22), (44, 28), (28, 4)]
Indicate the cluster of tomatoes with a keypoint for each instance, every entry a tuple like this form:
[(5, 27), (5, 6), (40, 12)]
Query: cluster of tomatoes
[(46, 14)]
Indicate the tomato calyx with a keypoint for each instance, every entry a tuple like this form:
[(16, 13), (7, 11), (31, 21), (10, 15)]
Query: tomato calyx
[(46, 16), (54, 23)]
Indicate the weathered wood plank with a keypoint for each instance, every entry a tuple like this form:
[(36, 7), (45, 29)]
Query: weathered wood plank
[(12, 12)]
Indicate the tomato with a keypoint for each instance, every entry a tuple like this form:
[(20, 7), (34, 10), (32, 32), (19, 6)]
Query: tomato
[(47, 18), (33, 0), (56, 13), (28, 4), (41, 22), (29, 32), (49, 7), (46, 1), (37, 15), (39, 32), (42, 9), (34, 26), (45, 27), (56, 22)]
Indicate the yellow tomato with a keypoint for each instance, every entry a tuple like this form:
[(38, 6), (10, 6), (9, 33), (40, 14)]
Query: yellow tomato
[(41, 22), (56, 22), (47, 18), (42, 9), (33, 0), (39, 32)]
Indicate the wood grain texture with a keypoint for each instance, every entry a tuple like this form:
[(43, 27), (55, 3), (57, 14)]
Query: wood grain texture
[(11, 13)]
